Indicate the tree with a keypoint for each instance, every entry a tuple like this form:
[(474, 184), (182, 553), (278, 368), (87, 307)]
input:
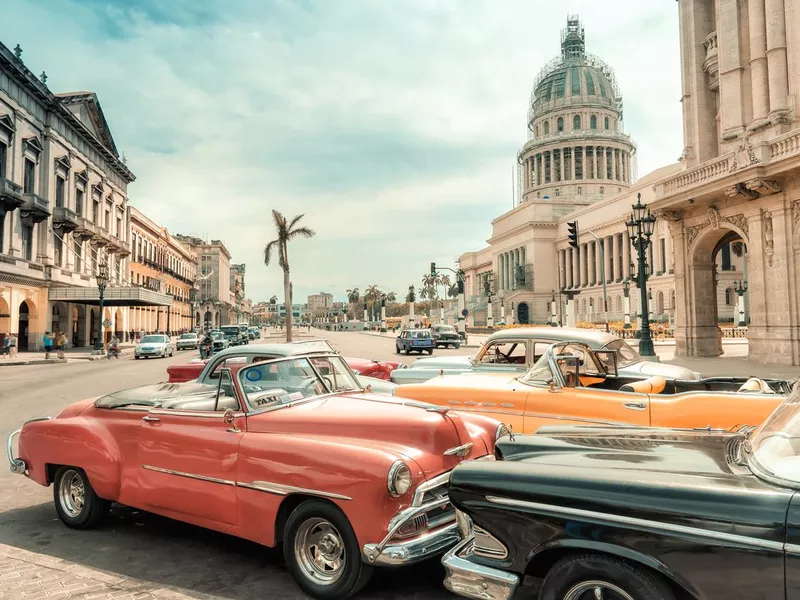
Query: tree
[(391, 297), (273, 300), (372, 295), (287, 231), (452, 291)]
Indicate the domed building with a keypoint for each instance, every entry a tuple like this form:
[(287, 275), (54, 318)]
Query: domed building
[(576, 147), (577, 164)]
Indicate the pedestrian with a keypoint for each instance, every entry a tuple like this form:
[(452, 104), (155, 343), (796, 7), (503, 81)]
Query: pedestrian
[(13, 346), (48, 343), (5, 349), (113, 348), (61, 343)]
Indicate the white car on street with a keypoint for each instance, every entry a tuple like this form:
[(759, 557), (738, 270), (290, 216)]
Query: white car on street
[(188, 341), (154, 345)]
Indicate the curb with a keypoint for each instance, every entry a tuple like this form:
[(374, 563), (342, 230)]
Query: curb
[(33, 361), (117, 583)]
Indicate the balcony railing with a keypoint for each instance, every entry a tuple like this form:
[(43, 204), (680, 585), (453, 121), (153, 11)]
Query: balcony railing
[(65, 219), (10, 195)]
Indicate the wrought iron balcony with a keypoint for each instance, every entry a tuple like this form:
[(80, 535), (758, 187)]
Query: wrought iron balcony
[(10, 195), (65, 219), (35, 209)]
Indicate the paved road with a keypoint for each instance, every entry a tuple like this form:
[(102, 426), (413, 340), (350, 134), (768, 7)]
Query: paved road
[(139, 555)]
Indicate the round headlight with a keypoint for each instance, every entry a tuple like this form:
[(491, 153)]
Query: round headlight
[(399, 480), (502, 430)]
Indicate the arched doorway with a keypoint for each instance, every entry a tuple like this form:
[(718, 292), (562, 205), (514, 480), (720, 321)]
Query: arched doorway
[(23, 326), (118, 333), (107, 324), (208, 320), (523, 315), (78, 331), (216, 320), (713, 268), (197, 320), (5, 317), (93, 327), (58, 320)]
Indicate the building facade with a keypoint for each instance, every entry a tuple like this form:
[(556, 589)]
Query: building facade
[(63, 214), (161, 263), (319, 305), (579, 165), (212, 304), (241, 308)]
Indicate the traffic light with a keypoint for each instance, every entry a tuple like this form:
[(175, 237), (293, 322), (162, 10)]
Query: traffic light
[(572, 228), (433, 269)]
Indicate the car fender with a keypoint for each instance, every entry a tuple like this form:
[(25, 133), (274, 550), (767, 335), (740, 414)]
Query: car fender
[(353, 476), (543, 556), (77, 442)]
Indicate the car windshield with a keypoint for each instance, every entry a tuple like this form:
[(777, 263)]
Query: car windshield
[(154, 339), (420, 334), (626, 355), (775, 445), (189, 336), (231, 330), (539, 374), (317, 345), (287, 380)]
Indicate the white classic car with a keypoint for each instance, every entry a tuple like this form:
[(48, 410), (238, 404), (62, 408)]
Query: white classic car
[(154, 345)]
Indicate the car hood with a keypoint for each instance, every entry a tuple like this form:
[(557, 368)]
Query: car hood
[(681, 477), (443, 362), (158, 394), (402, 427), (650, 368)]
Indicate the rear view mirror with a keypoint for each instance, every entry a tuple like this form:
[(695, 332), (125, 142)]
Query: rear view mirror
[(608, 358)]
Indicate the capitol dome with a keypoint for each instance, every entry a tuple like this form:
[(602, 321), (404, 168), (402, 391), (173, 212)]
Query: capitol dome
[(575, 127)]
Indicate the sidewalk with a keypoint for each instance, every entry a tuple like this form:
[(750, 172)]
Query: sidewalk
[(71, 354)]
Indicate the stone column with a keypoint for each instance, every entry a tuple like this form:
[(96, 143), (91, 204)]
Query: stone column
[(776, 57), (563, 166), (570, 312), (583, 163), (585, 261), (609, 255), (598, 270), (626, 255), (574, 155), (576, 267)]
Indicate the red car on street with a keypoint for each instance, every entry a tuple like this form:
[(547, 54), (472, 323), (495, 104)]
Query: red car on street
[(360, 366)]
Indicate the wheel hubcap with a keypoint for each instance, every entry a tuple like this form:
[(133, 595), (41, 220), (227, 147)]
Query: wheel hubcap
[(72, 493), (319, 550), (597, 590)]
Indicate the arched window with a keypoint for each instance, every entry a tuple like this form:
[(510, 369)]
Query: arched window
[(593, 122), (558, 192), (606, 122), (560, 124), (602, 190), (619, 304), (538, 194), (660, 303), (729, 297), (580, 191), (546, 127), (536, 131), (576, 122)]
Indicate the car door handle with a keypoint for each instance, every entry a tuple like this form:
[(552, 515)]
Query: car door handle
[(150, 419), (636, 405)]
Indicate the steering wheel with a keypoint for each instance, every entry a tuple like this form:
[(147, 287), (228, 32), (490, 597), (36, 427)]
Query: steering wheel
[(309, 386)]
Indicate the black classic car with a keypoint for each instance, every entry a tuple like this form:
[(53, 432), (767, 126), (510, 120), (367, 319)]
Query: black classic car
[(584, 513)]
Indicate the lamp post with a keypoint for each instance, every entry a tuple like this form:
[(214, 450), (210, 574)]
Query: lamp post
[(740, 287), (640, 229), (553, 314), (102, 282), (626, 290), (650, 304), (383, 312)]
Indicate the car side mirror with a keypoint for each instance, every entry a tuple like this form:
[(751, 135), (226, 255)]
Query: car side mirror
[(608, 358)]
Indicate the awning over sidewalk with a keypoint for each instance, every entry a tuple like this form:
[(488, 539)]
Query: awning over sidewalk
[(113, 296)]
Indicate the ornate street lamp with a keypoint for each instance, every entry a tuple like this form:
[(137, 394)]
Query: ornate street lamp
[(640, 229), (626, 290), (740, 287), (553, 314), (102, 282)]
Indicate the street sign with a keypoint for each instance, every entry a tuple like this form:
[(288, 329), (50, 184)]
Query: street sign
[(107, 323), (464, 313)]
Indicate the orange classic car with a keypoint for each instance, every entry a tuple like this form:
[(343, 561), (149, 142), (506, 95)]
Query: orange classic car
[(288, 450), (573, 384)]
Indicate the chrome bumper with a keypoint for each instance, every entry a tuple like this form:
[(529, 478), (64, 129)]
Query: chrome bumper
[(17, 464), (465, 578), (413, 550)]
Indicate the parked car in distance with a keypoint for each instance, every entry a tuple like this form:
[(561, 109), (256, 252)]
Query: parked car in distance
[(634, 514), (445, 336), (516, 350), (205, 371), (188, 341), (219, 342), (379, 369), (155, 345), (234, 335), (254, 332), (414, 340), (572, 383), (287, 451)]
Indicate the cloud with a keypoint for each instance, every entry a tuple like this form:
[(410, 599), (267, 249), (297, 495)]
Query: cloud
[(392, 124)]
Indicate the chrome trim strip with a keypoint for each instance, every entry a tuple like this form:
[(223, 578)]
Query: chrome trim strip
[(17, 465), (556, 417), (189, 475), (190, 413), (285, 490), (462, 450), (466, 578), (792, 548), (398, 521), (413, 550), (427, 486), (562, 511)]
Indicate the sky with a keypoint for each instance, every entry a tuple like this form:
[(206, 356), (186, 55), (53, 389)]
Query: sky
[(392, 125)]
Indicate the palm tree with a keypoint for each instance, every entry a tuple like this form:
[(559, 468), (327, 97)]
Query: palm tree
[(371, 295), (391, 297), (287, 231), (353, 297), (452, 291)]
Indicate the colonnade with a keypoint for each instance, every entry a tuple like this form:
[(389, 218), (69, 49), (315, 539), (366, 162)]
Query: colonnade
[(507, 263), (574, 163)]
